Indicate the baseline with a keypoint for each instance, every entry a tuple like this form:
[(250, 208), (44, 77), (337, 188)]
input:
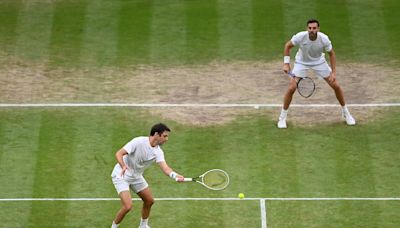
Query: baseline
[(152, 105)]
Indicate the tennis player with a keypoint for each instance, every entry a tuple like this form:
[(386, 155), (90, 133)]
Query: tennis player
[(133, 159), (310, 56)]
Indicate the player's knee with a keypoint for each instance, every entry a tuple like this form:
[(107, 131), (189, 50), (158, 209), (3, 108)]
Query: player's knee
[(149, 202), (127, 207), (335, 86), (291, 88)]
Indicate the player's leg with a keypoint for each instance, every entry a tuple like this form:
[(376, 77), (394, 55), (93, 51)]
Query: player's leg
[(340, 97), (325, 72), (148, 201), (287, 99), (338, 91), (122, 188), (300, 71), (126, 206)]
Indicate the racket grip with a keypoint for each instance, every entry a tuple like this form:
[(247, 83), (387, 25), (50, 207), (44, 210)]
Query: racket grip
[(183, 179)]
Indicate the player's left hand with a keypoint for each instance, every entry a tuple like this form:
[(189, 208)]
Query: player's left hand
[(332, 77)]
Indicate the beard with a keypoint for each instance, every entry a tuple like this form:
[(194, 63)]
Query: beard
[(312, 35)]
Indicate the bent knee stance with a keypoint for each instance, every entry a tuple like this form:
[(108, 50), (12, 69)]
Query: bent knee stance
[(291, 88), (149, 202), (127, 207), (335, 86)]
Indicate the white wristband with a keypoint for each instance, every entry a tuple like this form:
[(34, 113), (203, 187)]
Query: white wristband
[(286, 59), (173, 175)]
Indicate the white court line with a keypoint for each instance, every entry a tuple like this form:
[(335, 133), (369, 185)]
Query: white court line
[(263, 201), (209, 199), (151, 105), (263, 209)]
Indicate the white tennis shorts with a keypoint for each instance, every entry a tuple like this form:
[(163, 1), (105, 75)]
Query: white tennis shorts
[(124, 183), (322, 70)]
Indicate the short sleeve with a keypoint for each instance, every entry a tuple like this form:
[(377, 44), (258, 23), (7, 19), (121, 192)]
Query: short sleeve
[(160, 156), (328, 48), (327, 44), (296, 39), (131, 146)]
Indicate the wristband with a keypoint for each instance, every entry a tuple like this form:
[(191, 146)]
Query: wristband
[(286, 59), (173, 175)]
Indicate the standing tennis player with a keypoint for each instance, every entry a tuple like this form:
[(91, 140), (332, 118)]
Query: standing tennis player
[(312, 45), (133, 159)]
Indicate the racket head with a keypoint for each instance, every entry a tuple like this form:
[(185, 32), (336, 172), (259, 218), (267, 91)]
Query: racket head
[(305, 87), (215, 179)]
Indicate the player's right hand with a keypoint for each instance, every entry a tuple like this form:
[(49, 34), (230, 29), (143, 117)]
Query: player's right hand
[(123, 170), (286, 68), (180, 178)]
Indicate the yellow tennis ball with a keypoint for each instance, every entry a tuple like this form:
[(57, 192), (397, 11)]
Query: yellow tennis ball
[(241, 195)]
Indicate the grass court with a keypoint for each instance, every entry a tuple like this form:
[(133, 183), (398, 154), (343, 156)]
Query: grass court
[(95, 51)]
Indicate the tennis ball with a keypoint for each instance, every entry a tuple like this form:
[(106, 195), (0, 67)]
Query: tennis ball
[(241, 195)]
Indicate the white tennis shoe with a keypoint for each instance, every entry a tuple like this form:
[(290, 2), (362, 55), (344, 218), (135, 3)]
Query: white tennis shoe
[(144, 226), (282, 122), (349, 119)]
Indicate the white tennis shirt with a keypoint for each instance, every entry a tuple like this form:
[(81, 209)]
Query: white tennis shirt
[(141, 155), (311, 52)]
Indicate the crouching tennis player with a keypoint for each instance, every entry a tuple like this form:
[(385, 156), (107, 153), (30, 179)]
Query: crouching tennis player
[(133, 159), (310, 55)]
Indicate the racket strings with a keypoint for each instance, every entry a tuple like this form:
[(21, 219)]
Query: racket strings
[(306, 87), (216, 179)]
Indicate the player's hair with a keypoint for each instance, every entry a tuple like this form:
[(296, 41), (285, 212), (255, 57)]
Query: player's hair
[(313, 21), (159, 128)]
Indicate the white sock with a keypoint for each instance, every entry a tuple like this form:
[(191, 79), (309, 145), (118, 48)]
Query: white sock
[(284, 113), (344, 109), (114, 225), (143, 222)]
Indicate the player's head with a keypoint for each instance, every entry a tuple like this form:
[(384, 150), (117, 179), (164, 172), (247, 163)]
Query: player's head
[(312, 28), (160, 132), (159, 129), (311, 21)]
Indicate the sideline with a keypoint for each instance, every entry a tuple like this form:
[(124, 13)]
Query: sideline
[(262, 201), (150, 105), (210, 199)]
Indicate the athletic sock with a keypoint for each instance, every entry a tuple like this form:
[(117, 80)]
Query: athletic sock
[(345, 110), (114, 225), (143, 222), (284, 113)]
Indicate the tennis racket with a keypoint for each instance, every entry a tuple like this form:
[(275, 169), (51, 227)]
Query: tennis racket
[(305, 86), (214, 179)]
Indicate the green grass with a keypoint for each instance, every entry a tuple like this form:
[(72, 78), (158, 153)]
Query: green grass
[(8, 17), (104, 33), (69, 152), (67, 32), (134, 26), (333, 214)]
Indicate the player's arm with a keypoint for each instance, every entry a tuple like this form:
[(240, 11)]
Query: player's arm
[(332, 60), (286, 59), (118, 155), (168, 171)]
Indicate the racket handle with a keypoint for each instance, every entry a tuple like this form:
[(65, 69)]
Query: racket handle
[(291, 74), (183, 179)]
